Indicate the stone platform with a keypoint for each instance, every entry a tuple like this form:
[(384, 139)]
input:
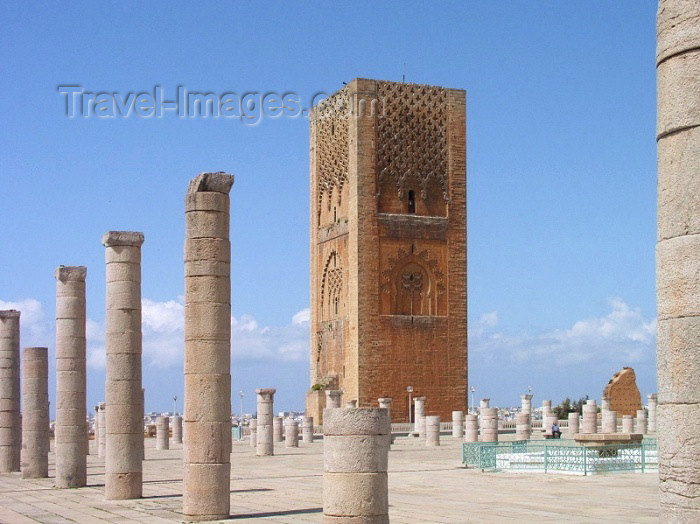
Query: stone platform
[(425, 485)]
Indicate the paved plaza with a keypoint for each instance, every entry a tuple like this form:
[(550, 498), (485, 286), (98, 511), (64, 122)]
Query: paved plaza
[(425, 485)]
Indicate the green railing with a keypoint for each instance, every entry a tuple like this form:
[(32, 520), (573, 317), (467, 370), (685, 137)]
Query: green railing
[(565, 456)]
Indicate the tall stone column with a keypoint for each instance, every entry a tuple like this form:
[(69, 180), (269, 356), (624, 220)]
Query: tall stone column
[(207, 417), (253, 425), (651, 419), (609, 421), (678, 258), (162, 433), (333, 398), (590, 417), (35, 413), (419, 413), (432, 430), (356, 459), (177, 429), (526, 404), (123, 393), (523, 430), (471, 428), (458, 424), (71, 401), (291, 433), (265, 444), (97, 430), (10, 419), (627, 423), (277, 429), (102, 418), (574, 421), (307, 430)]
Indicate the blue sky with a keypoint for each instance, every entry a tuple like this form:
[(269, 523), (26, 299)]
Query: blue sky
[(561, 174)]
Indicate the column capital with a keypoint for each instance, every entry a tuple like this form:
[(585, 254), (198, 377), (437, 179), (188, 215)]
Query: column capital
[(122, 238), (218, 182), (70, 273), (9, 313)]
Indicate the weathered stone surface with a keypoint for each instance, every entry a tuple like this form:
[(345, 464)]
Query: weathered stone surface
[(11, 429), (432, 430), (123, 389), (265, 445), (207, 414), (35, 416), (356, 448), (291, 433), (365, 238), (678, 259), (622, 392), (163, 433)]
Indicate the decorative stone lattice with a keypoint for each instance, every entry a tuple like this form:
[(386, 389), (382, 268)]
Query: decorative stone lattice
[(332, 280), (415, 279), (412, 136), (332, 146)]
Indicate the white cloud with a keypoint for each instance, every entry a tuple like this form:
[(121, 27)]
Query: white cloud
[(624, 334), (301, 317), (35, 329)]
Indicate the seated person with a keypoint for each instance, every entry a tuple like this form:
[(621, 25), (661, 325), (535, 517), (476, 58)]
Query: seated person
[(556, 431)]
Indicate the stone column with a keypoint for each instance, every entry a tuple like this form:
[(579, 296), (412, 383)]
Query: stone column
[(307, 430), (651, 415), (162, 433), (546, 411), (143, 417), (484, 403), (102, 418), (124, 397), (627, 423), (432, 430), (177, 429), (71, 402), (640, 423), (333, 398), (291, 433), (526, 404), (97, 429), (419, 414), (678, 258), (35, 413), (609, 421), (549, 422), (604, 405), (265, 444), (471, 428), (356, 456), (10, 420), (207, 415), (253, 427), (488, 424), (351, 404), (574, 420), (277, 429), (523, 429), (590, 417), (458, 424)]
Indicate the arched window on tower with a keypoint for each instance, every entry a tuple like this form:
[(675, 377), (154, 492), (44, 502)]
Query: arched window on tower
[(411, 201)]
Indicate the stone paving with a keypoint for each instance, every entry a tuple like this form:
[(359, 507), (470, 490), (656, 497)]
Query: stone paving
[(425, 485)]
